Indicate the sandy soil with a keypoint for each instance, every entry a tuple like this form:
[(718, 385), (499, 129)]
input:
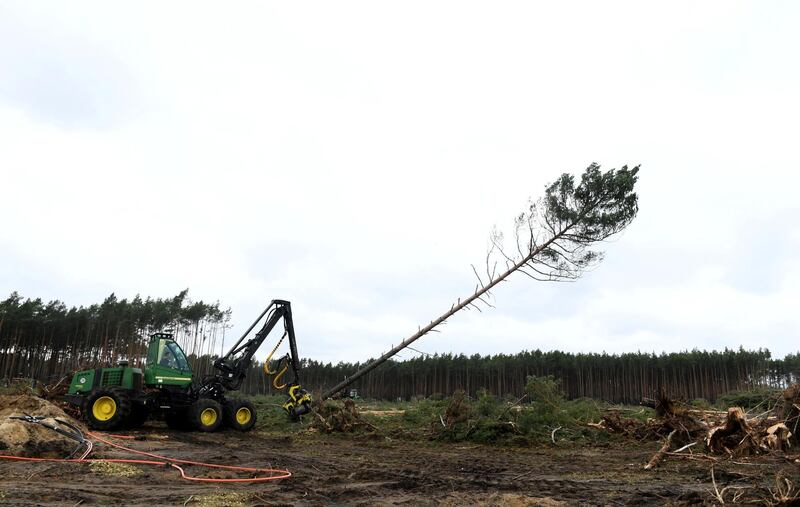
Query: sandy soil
[(370, 470), (19, 438)]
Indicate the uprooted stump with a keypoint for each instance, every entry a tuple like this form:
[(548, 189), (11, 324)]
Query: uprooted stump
[(730, 436), (777, 437), (340, 417), (790, 407), (728, 433), (738, 436), (20, 438)]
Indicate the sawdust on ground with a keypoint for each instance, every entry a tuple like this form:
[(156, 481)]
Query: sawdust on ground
[(20, 438)]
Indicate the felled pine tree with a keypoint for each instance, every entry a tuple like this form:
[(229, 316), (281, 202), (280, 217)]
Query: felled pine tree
[(553, 240)]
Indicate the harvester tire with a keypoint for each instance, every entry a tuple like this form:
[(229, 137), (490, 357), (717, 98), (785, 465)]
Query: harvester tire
[(240, 414), (205, 414), (107, 409)]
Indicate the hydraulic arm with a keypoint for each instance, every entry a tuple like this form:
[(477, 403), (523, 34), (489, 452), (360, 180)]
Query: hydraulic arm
[(234, 365)]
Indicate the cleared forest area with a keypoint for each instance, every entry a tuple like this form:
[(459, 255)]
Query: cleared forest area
[(540, 451), (534, 428)]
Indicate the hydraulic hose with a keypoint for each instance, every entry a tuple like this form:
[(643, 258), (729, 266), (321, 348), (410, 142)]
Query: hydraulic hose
[(159, 460)]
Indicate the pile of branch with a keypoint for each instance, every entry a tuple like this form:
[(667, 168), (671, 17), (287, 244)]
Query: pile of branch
[(460, 422), (673, 418), (340, 417), (458, 411), (457, 414), (730, 433), (55, 392)]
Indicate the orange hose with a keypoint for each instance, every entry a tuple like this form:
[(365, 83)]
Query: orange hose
[(275, 474)]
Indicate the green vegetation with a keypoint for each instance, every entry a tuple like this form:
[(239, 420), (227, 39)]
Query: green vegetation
[(271, 416), (224, 499), (760, 398), (538, 417), (542, 416)]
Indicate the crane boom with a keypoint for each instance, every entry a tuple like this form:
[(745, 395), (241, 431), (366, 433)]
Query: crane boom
[(233, 366)]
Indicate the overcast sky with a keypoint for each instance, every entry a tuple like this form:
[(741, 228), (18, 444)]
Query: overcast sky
[(352, 157)]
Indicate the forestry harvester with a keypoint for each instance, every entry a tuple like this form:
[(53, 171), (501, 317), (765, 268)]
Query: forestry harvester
[(123, 396)]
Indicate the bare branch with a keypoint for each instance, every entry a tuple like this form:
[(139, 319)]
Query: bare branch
[(477, 275)]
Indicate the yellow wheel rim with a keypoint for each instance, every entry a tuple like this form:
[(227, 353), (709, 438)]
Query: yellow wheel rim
[(208, 416), (104, 408), (243, 415)]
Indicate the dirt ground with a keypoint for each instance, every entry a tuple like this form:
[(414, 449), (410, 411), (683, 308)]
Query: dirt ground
[(370, 470)]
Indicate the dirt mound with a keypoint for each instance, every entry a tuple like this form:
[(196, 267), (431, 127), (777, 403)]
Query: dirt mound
[(21, 438)]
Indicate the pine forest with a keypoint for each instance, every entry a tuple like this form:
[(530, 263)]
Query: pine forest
[(49, 341)]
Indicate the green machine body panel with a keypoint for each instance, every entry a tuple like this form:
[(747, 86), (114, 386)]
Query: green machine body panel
[(82, 382), (120, 376), (166, 363)]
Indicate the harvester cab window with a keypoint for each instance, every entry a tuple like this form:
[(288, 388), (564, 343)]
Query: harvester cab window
[(172, 357)]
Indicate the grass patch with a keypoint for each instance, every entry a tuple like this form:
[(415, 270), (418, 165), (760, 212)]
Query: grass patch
[(272, 418), (381, 405), (114, 469), (226, 499)]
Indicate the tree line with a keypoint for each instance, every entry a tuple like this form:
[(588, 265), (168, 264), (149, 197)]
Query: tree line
[(622, 378), (47, 341)]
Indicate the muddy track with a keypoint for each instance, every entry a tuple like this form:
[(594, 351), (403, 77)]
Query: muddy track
[(380, 471)]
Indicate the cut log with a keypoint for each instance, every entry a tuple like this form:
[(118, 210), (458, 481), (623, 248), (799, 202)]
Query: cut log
[(661, 452)]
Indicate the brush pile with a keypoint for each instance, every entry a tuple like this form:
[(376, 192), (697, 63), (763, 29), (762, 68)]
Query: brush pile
[(486, 420), (731, 433), (339, 417)]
